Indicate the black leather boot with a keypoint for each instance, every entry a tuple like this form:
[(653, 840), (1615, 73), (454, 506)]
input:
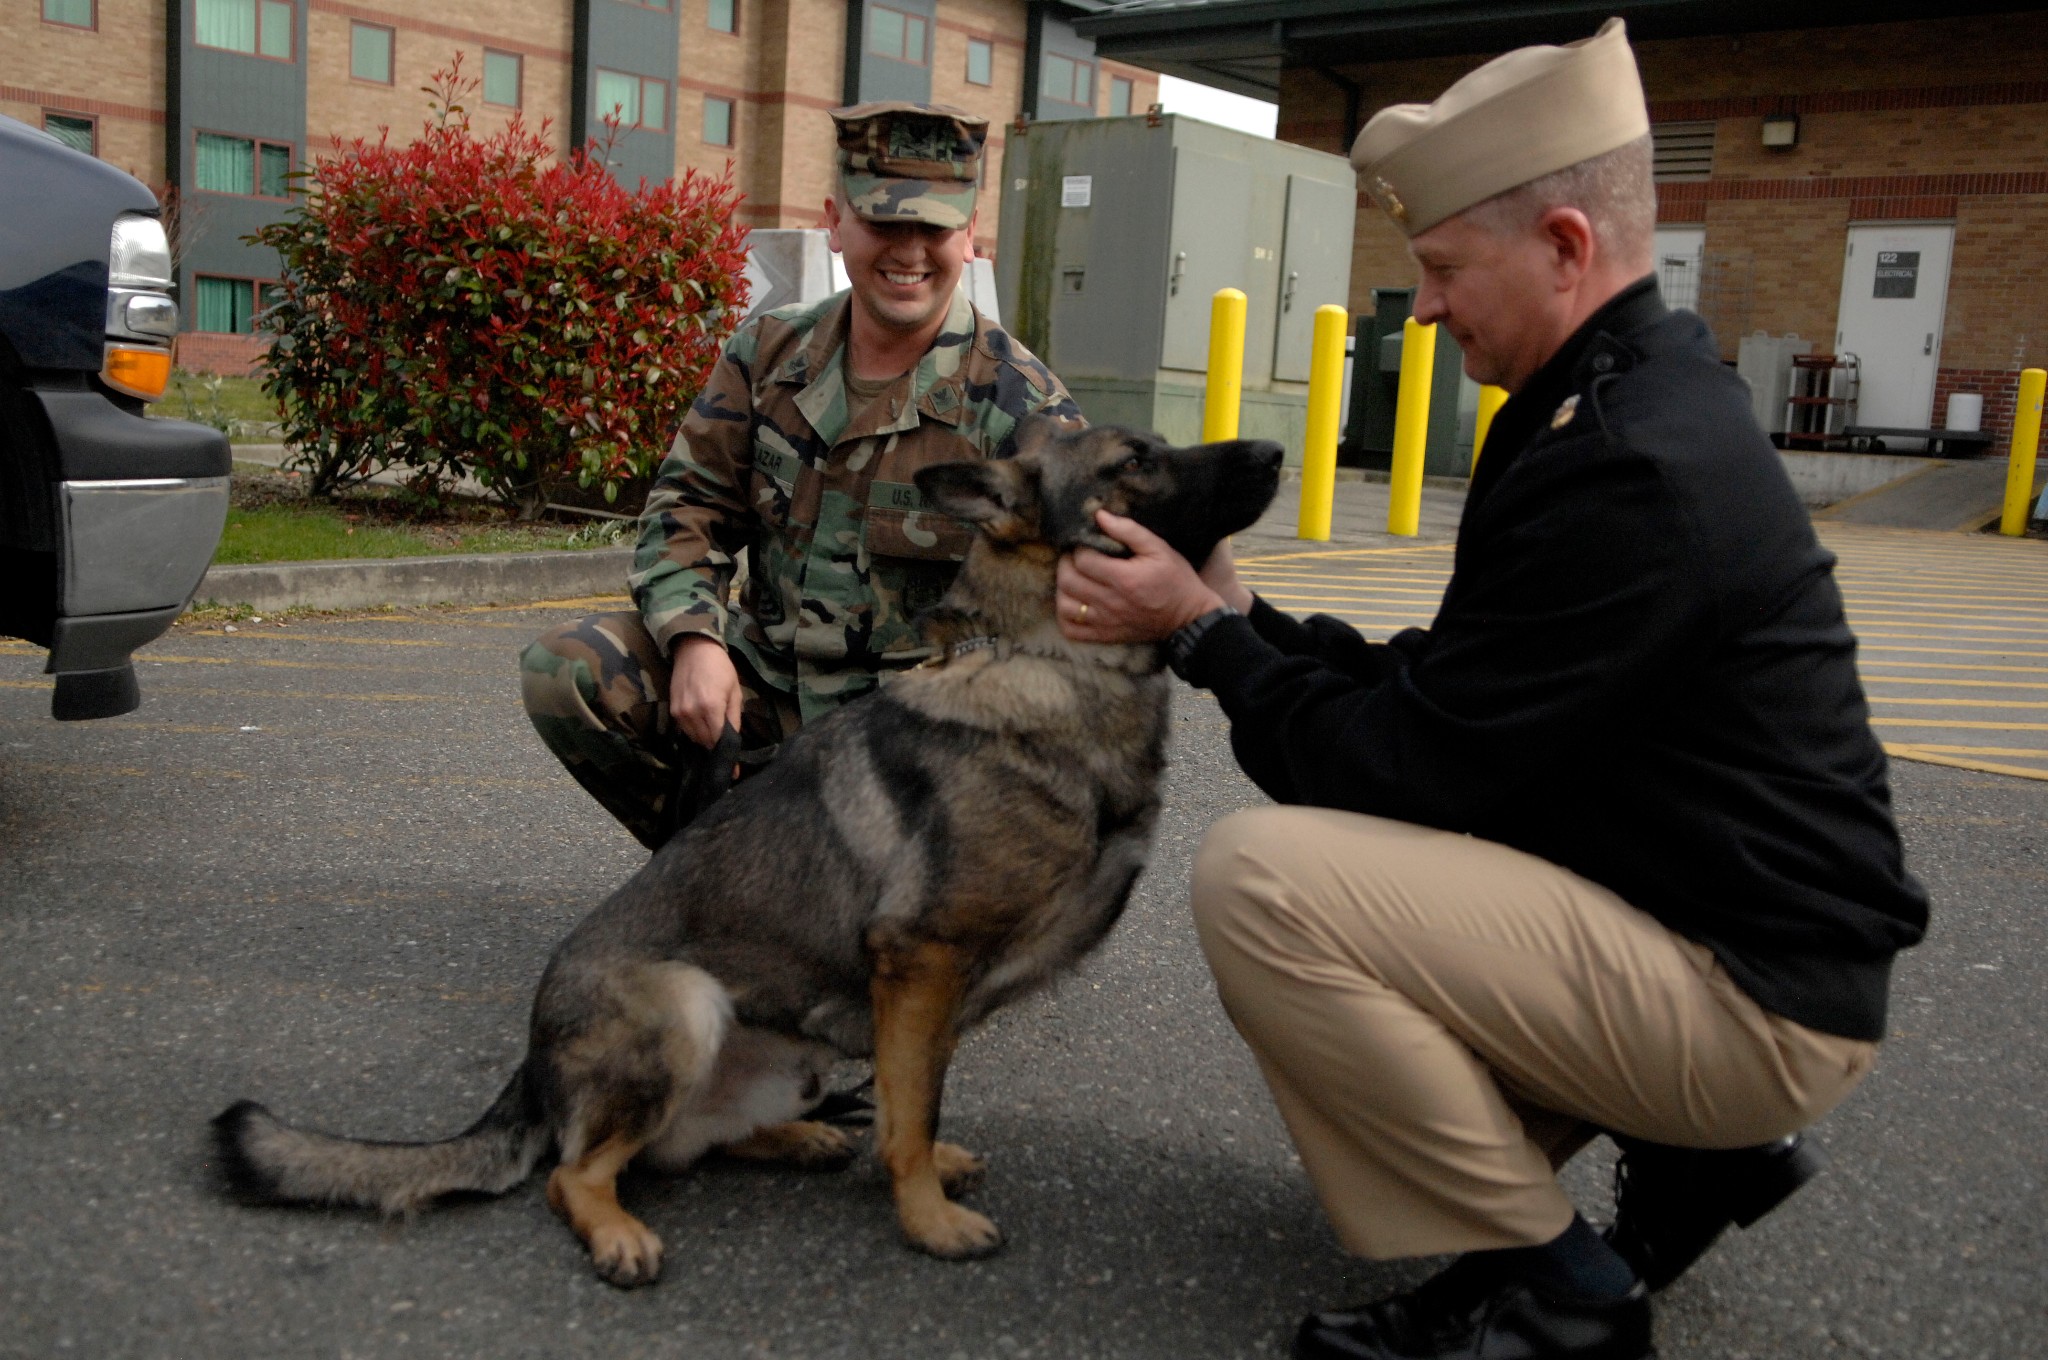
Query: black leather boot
[(1468, 1316), (1671, 1203)]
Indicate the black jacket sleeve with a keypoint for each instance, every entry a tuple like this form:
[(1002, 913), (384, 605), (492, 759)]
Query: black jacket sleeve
[(1576, 599)]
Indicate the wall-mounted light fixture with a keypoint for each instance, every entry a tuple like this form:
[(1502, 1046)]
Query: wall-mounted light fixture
[(1781, 129)]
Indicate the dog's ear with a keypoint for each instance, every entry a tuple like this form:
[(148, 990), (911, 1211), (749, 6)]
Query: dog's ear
[(1034, 432), (978, 492)]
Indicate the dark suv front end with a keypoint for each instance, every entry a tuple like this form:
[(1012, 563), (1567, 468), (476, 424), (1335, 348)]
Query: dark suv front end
[(108, 518)]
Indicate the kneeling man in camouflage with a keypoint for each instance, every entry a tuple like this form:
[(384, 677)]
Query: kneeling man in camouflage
[(799, 457)]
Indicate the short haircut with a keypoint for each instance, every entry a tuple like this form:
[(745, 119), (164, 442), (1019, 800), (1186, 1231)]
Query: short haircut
[(1615, 190)]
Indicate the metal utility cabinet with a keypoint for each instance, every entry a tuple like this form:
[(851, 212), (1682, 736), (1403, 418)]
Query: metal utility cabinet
[(1117, 232)]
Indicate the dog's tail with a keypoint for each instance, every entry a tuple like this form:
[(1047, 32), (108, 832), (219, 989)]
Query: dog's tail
[(266, 1159)]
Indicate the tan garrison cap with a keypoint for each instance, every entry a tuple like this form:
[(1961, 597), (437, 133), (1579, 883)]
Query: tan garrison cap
[(1521, 116), (905, 162)]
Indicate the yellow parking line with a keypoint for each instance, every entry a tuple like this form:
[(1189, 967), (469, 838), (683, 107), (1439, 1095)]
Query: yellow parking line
[(1972, 626), (305, 633), (1954, 665), (1339, 554), (1900, 592), (1948, 680), (1928, 756), (1958, 724), (582, 604), (1940, 651), (1958, 703), (290, 695)]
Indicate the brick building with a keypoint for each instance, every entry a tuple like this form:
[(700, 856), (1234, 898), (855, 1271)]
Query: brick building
[(218, 100), (1872, 177)]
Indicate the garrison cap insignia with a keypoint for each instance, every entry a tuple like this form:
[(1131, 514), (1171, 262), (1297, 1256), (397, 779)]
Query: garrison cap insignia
[(1389, 200), (1566, 409)]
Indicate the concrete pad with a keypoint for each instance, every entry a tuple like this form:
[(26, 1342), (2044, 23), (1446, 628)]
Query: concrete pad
[(1829, 478), (1952, 494)]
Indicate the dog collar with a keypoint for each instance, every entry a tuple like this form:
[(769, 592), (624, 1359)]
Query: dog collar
[(988, 641), (954, 649)]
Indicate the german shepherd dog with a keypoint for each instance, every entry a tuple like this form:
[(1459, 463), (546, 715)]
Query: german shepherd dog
[(906, 865)]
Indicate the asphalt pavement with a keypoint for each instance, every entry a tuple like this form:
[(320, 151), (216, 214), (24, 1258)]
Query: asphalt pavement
[(323, 865)]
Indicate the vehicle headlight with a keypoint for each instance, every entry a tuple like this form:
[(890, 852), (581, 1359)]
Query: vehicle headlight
[(141, 254)]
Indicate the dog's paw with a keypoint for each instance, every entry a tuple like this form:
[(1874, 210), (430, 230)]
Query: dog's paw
[(959, 1170), (954, 1233), (626, 1253), (818, 1147), (805, 1144)]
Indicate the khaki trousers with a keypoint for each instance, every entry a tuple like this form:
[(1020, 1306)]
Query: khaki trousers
[(1444, 1021)]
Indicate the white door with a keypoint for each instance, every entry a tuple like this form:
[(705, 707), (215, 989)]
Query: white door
[(1894, 290), (1679, 250)]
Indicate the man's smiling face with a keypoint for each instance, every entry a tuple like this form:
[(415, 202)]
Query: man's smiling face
[(902, 273)]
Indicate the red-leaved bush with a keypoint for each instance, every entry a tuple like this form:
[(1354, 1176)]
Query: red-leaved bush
[(472, 305)]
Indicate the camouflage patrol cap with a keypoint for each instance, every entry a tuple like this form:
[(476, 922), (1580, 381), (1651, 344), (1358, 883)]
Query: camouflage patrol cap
[(905, 162)]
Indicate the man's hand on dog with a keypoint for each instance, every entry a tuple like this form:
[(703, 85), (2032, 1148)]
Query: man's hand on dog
[(704, 689), (1143, 597)]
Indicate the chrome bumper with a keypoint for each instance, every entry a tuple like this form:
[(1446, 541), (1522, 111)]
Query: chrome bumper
[(138, 546)]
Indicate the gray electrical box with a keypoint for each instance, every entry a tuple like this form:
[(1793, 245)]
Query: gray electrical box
[(1368, 440), (1116, 234), (1764, 361)]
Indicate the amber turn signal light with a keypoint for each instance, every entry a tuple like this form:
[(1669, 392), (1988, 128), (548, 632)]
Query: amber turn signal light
[(138, 372)]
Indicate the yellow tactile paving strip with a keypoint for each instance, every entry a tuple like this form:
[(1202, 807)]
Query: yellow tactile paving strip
[(1954, 629)]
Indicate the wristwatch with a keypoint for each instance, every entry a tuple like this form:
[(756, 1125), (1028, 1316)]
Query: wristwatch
[(1184, 639)]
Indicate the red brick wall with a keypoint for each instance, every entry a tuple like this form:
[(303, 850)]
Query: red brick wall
[(231, 356), (113, 74), (1999, 388), (340, 106)]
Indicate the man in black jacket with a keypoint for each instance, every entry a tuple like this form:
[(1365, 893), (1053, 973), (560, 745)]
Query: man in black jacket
[(1609, 846)]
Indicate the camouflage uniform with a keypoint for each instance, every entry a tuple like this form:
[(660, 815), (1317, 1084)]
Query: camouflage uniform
[(841, 551)]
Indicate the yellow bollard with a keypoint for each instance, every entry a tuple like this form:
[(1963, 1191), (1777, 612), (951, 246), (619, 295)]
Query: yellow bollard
[(1491, 399), (1319, 445), (2026, 440), (1411, 428), (1226, 366)]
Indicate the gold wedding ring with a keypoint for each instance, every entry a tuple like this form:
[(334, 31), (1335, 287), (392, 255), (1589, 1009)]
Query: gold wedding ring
[(1082, 617)]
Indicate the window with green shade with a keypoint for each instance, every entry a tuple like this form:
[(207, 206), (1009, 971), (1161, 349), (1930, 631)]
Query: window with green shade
[(501, 78), (77, 133), (241, 165), (981, 61), (1066, 81), (639, 101), (258, 27), (230, 24), (896, 35), (885, 32), (369, 53), (75, 13), (724, 16), (274, 33), (717, 121), (225, 306), (1119, 97), (225, 165), (620, 94), (273, 163)]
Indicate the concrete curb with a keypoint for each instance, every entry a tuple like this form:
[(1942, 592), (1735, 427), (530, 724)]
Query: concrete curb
[(474, 578)]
